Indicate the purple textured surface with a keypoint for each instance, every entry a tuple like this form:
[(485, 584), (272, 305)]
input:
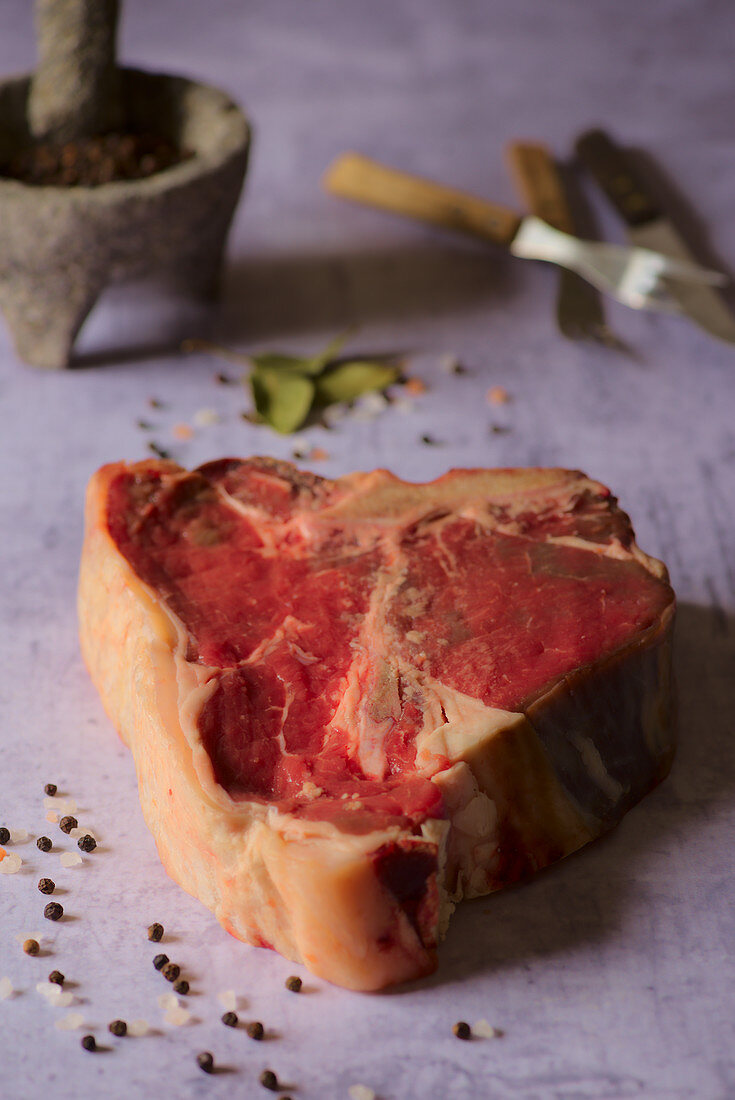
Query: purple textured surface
[(612, 974)]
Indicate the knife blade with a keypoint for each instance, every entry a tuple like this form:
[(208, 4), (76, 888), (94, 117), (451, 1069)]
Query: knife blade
[(648, 227), (579, 309), (632, 275)]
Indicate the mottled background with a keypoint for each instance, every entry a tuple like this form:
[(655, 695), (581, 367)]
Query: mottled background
[(612, 975)]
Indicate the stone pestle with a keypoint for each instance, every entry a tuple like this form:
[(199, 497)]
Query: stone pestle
[(60, 246)]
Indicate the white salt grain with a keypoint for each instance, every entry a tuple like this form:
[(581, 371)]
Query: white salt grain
[(68, 806), (483, 1029), (449, 364), (70, 859), (376, 402), (167, 1001), (203, 418), (53, 803), (50, 990), (177, 1016), (70, 1022), (361, 1092), (228, 1000), (10, 864), (137, 1027), (52, 817), (6, 989), (18, 835), (76, 833), (333, 414), (63, 1000)]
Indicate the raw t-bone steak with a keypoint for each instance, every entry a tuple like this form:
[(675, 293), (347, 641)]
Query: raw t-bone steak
[(353, 702)]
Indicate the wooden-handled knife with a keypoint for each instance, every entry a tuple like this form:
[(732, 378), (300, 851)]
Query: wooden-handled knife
[(648, 227), (579, 310)]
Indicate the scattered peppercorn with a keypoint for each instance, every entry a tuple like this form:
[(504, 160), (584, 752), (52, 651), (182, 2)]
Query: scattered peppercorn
[(56, 977), (155, 932), (144, 425), (170, 971), (181, 986), (428, 440), (68, 823), (4, 835), (154, 403), (269, 1080), (44, 844), (87, 843), (294, 984), (31, 947), (255, 1029), (462, 1030), (205, 1061), (119, 1028), (222, 379), (88, 1042), (160, 961), (46, 885), (160, 451), (230, 1019), (51, 789), (53, 911)]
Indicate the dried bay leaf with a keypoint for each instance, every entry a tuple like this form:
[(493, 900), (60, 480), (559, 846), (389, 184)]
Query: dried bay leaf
[(283, 400), (352, 379)]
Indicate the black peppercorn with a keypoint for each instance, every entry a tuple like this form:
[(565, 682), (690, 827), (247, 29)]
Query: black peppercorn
[(462, 1030), (269, 1080), (56, 977), (181, 986), (230, 1019), (53, 911), (171, 971), (46, 885), (68, 823), (87, 843), (119, 1028), (294, 984), (205, 1061), (44, 844), (88, 1042), (4, 835), (50, 789), (31, 947), (255, 1029), (160, 961), (155, 932)]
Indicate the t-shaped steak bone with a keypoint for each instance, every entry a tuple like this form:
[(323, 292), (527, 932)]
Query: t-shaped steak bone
[(353, 702)]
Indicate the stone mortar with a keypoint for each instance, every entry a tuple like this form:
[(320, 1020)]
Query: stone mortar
[(60, 246)]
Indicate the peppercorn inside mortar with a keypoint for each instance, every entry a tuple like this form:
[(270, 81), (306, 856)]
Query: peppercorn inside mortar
[(90, 162)]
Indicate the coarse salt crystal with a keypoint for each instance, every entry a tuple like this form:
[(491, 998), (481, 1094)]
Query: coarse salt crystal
[(79, 831), (167, 1001), (361, 1092), (449, 363), (63, 1000), (51, 802), (375, 402), (228, 999), (483, 1029), (6, 989), (68, 806), (10, 862), (70, 1022), (70, 859), (177, 1016), (203, 418), (50, 990), (333, 414), (299, 443), (18, 835), (137, 1027), (52, 817)]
